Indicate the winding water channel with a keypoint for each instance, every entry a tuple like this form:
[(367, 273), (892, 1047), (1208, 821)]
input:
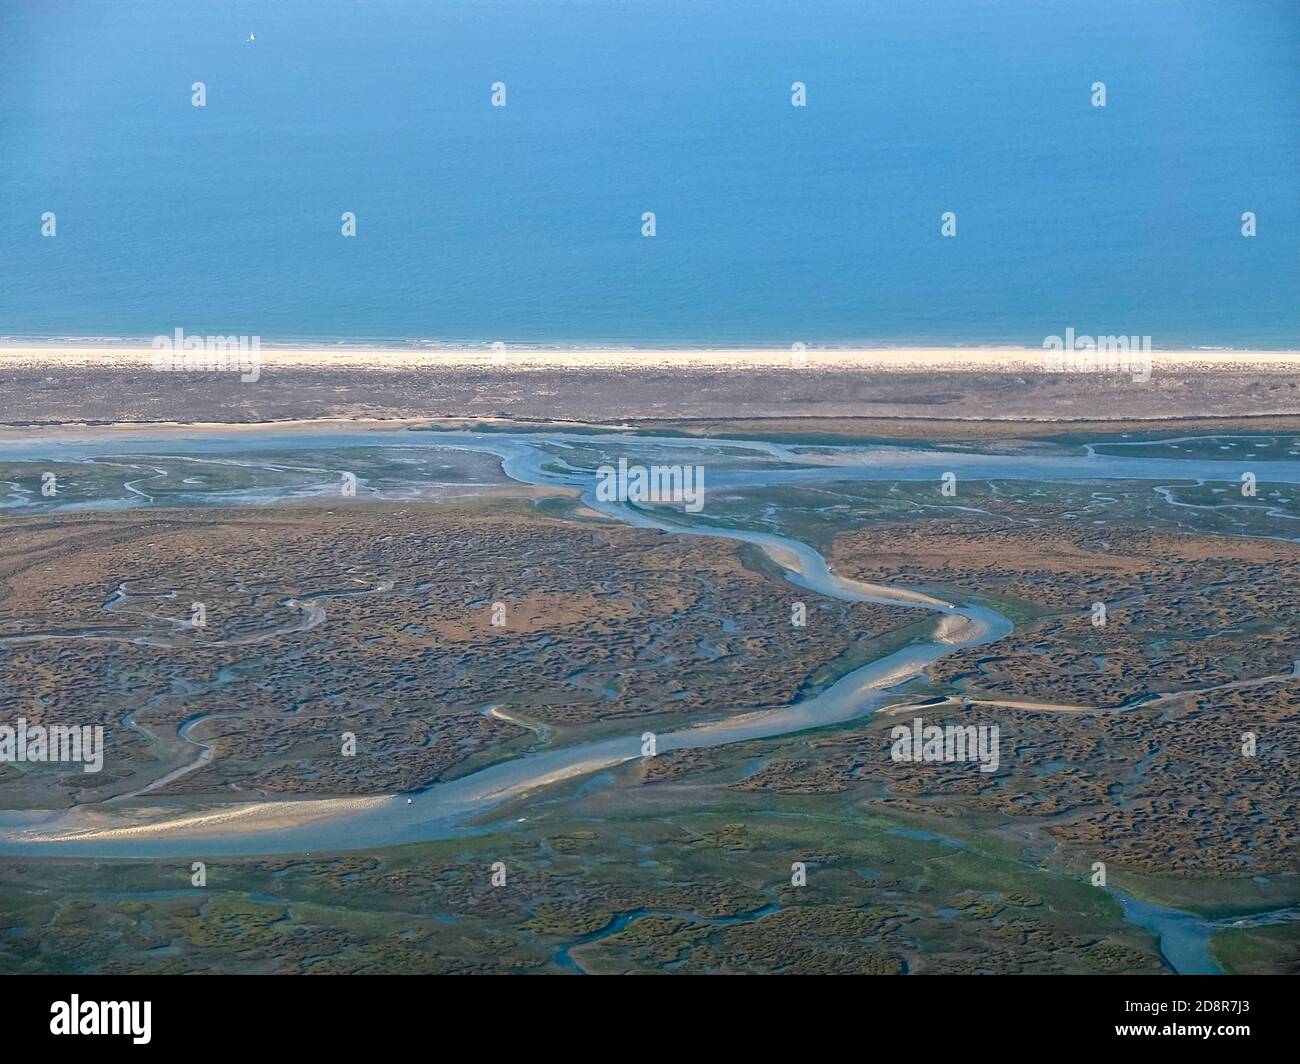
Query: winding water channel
[(338, 824)]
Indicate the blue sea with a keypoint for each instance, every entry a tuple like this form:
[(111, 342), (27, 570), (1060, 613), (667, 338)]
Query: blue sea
[(774, 224)]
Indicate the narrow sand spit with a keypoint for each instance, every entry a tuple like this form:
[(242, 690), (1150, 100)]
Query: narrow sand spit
[(1033, 707), (964, 703)]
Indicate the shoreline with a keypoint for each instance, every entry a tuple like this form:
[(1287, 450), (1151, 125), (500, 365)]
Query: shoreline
[(318, 356), (836, 393)]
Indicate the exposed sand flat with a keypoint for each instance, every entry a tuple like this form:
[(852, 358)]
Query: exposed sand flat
[(783, 556), (971, 359), (897, 594), (789, 559), (85, 824), (954, 628)]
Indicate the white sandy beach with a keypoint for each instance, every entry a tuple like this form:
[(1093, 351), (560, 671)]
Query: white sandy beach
[(988, 359)]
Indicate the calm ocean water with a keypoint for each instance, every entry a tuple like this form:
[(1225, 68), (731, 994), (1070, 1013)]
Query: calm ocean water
[(775, 224)]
